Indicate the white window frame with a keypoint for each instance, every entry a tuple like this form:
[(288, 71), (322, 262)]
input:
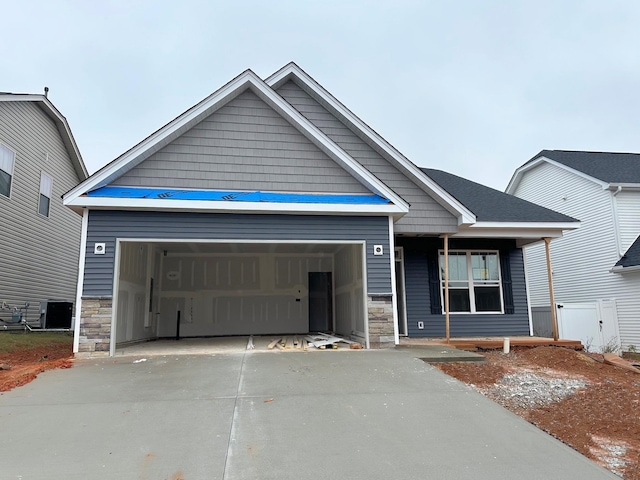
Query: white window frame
[(10, 167), (472, 287), (46, 189)]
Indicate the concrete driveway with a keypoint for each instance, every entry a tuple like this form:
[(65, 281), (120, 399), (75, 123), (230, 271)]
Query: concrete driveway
[(269, 415)]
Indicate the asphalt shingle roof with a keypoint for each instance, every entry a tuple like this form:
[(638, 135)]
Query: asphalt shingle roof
[(608, 167), (491, 205), (632, 256)]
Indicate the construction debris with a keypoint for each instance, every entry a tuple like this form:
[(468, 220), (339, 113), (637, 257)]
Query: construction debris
[(321, 341)]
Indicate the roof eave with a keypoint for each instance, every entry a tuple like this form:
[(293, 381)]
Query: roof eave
[(452, 205), (244, 81), (622, 269), (209, 206), (623, 186), (523, 232), (61, 124), (518, 174)]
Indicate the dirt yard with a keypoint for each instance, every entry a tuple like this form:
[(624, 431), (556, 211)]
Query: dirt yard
[(589, 405), (25, 355)]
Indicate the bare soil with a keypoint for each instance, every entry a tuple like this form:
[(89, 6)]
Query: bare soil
[(22, 361), (589, 405)]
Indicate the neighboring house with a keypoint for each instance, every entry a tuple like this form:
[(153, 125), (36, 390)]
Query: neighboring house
[(40, 241), (601, 260), (269, 208)]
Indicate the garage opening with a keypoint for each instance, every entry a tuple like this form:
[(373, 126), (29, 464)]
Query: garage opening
[(232, 289)]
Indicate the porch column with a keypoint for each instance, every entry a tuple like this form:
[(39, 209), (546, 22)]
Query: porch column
[(554, 322), (446, 286)]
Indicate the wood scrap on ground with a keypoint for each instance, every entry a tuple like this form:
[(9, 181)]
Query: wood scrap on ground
[(321, 341)]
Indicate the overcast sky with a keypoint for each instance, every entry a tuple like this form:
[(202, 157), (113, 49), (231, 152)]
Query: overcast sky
[(472, 87)]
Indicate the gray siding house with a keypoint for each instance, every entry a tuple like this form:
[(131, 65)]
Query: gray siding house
[(270, 208), (39, 245)]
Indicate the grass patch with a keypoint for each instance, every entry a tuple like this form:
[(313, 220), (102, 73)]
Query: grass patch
[(11, 341)]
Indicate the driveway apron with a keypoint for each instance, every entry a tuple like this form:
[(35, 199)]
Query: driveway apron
[(270, 415)]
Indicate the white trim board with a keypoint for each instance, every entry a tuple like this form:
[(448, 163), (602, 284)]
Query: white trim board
[(246, 80), (215, 206), (293, 71), (61, 124), (80, 283), (520, 171)]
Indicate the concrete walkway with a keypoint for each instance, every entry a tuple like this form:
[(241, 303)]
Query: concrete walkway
[(269, 415)]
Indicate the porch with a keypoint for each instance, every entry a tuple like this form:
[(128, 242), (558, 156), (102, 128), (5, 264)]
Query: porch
[(490, 343)]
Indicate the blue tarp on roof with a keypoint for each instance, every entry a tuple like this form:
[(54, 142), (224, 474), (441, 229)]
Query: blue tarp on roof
[(237, 196)]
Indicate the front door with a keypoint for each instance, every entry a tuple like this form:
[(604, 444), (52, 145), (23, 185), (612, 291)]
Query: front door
[(320, 302)]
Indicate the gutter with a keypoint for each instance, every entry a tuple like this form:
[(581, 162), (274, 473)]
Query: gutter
[(619, 269)]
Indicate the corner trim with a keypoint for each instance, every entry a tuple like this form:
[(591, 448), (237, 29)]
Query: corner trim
[(80, 284)]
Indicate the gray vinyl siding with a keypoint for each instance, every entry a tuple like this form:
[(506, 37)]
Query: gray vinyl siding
[(425, 215), (418, 299), (541, 321), (244, 145), (38, 255), (107, 226)]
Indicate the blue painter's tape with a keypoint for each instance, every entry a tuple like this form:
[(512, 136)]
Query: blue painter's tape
[(236, 196)]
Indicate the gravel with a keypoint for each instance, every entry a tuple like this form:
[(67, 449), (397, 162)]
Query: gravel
[(529, 390)]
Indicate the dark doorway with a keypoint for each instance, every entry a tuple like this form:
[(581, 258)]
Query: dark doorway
[(320, 302)]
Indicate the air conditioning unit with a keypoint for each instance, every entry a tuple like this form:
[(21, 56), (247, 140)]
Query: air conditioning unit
[(56, 314)]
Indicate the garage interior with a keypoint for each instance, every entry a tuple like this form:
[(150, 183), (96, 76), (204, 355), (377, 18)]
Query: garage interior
[(238, 289)]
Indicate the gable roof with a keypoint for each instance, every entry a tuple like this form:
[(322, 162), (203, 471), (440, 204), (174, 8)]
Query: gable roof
[(607, 168), (296, 74), (61, 124), (247, 80), (491, 205)]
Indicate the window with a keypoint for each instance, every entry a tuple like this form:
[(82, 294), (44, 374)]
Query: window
[(45, 194), (7, 159), (474, 282)]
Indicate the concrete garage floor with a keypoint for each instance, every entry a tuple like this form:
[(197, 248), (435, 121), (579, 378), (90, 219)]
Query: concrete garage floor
[(192, 346), (269, 415)]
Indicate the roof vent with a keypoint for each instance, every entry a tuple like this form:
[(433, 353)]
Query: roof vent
[(46, 92)]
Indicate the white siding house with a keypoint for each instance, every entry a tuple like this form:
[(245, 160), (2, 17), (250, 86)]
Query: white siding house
[(40, 241), (595, 262)]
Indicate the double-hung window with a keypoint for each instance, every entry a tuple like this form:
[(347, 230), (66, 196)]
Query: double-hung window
[(7, 159), (474, 282), (44, 204)]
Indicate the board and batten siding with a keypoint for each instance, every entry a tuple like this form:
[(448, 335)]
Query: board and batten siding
[(38, 254), (582, 259), (418, 298), (245, 145), (425, 214), (107, 226)]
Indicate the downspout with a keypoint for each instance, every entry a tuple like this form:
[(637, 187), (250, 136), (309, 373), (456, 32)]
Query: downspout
[(616, 223)]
